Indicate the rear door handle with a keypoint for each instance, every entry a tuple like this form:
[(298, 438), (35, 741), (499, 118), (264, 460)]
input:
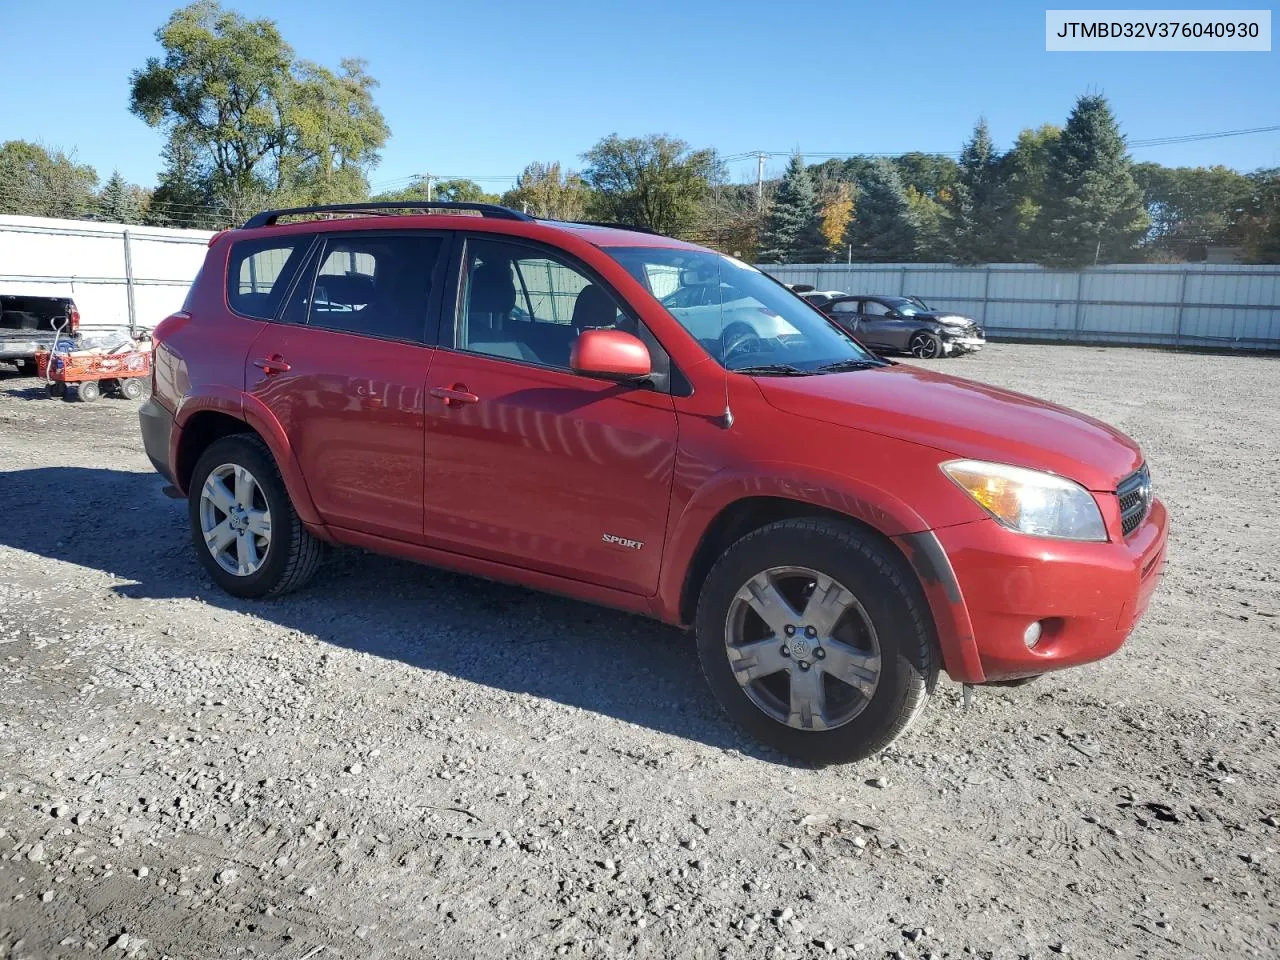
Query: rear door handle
[(272, 365), (456, 395)]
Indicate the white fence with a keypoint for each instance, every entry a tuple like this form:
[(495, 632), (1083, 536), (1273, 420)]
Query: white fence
[(122, 275), (1190, 305), (119, 275)]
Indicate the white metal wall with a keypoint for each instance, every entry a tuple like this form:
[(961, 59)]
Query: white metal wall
[(1193, 305), (86, 261)]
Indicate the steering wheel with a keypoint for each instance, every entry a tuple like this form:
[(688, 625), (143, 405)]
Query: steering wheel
[(739, 337)]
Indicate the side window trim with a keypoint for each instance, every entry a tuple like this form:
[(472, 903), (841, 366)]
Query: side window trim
[(316, 256)]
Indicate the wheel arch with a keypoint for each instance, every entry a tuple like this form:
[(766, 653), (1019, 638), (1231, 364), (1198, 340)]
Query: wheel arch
[(903, 534), (201, 421)]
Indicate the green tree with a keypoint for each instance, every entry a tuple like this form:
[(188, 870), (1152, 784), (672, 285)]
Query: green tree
[(1024, 171), (443, 191), (543, 191), (793, 229), (884, 225), (37, 182), (978, 208), (1261, 224), (932, 175), (930, 217), (247, 122), (119, 201), (655, 182), (1093, 210), (1193, 208)]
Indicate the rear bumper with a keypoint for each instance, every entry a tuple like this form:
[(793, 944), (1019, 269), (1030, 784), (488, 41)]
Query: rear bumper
[(1088, 597), (18, 348), (157, 429)]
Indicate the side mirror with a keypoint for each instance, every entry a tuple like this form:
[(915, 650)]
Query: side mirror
[(610, 355)]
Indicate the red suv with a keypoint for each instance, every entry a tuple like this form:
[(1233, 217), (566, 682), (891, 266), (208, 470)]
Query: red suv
[(646, 424)]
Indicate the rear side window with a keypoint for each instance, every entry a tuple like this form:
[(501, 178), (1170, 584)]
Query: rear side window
[(258, 273), (377, 286)]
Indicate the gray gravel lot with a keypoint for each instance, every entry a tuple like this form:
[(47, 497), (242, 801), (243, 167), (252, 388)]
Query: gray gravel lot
[(403, 762)]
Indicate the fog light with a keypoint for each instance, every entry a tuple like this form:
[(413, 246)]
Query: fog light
[(1031, 636)]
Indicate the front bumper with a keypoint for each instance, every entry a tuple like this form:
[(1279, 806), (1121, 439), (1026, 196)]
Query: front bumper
[(157, 428), (964, 344), (1088, 597)]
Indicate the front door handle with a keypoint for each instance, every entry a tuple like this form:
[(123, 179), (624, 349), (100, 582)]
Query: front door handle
[(454, 396), (272, 365)]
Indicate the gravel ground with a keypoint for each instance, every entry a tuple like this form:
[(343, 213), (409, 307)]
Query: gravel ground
[(402, 762)]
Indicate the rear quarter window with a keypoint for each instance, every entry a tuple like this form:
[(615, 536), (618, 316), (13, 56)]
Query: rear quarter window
[(258, 274)]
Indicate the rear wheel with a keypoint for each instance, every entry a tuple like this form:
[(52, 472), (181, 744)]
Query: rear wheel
[(815, 638), (56, 389), (925, 345), (243, 525), (131, 388), (26, 368)]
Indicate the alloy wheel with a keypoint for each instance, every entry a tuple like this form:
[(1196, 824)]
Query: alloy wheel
[(924, 346), (235, 519), (803, 648)]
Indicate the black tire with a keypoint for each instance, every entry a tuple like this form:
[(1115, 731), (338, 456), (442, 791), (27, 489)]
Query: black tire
[(57, 389), (893, 602), (131, 388), (293, 556), (924, 345), (88, 391), (26, 368)]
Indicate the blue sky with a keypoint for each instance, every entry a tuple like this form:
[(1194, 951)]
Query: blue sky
[(480, 88)]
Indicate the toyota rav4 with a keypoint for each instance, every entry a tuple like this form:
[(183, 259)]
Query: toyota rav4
[(643, 423)]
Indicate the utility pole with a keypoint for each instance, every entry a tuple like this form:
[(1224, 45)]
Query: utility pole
[(759, 183), (430, 181)]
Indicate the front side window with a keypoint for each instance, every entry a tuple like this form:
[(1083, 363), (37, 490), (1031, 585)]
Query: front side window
[(740, 316), (874, 308), (520, 304), (377, 286)]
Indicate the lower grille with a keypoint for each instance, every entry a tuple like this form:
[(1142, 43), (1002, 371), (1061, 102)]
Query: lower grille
[(1134, 492)]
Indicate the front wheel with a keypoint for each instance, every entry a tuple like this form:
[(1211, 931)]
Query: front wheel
[(816, 640), (243, 525), (925, 345), (131, 388)]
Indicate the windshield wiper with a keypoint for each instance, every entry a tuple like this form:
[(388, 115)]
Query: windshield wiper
[(850, 364), (773, 370)]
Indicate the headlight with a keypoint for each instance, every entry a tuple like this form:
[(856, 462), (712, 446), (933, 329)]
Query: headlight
[(1041, 504)]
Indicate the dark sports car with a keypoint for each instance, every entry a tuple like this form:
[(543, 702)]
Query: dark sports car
[(906, 325)]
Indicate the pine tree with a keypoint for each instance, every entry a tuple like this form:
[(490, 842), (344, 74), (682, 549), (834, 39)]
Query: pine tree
[(793, 230), (884, 225), (978, 210), (1093, 210), (118, 203)]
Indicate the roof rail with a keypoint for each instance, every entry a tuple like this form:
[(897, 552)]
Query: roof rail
[(269, 217), (611, 226)]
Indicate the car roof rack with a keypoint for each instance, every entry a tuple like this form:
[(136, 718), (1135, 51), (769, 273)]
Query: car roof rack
[(269, 217)]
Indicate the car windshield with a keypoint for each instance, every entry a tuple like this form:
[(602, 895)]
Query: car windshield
[(908, 308), (741, 317)]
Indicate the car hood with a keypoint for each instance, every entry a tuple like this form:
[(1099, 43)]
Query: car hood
[(951, 319), (963, 419)]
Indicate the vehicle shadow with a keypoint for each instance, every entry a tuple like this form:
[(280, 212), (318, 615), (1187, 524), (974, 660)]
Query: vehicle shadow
[(506, 637)]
